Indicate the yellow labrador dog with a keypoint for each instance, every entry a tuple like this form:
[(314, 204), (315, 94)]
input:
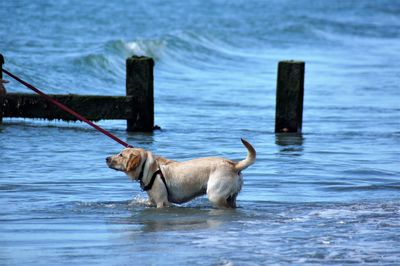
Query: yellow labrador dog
[(167, 181)]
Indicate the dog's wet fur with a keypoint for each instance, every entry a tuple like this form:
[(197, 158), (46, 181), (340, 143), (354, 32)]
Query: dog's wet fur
[(219, 178)]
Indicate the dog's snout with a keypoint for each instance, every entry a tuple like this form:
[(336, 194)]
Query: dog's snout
[(108, 159)]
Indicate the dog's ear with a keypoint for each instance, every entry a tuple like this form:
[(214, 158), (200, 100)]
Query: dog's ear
[(132, 163)]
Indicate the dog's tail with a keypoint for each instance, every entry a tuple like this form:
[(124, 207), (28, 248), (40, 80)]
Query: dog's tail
[(250, 158)]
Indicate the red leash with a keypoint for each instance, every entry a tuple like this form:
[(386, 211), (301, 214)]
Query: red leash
[(68, 110)]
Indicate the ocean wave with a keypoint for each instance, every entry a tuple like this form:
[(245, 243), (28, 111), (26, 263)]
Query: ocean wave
[(92, 60), (181, 51), (108, 60), (152, 48)]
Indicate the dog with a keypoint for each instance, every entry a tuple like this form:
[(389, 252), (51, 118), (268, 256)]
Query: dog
[(168, 181)]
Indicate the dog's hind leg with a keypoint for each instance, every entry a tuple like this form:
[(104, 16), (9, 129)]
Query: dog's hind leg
[(222, 190), (231, 201), (220, 200)]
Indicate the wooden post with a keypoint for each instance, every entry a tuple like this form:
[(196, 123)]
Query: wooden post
[(1, 66), (139, 85), (289, 96), (2, 91)]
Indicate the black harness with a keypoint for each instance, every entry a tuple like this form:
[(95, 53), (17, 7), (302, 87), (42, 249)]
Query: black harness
[(153, 178)]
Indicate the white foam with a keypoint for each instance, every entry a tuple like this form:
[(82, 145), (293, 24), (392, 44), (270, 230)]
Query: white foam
[(150, 48), (140, 200)]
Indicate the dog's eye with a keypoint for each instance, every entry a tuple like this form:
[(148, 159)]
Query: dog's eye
[(120, 155)]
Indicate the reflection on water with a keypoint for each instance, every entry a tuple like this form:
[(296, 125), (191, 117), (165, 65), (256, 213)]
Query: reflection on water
[(147, 137), (290, 143), (181, 218)]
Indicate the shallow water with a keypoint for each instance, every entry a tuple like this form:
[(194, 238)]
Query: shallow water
[(329, 195)]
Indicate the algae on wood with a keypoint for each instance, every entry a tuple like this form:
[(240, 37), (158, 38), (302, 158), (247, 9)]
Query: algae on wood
[(90, 106)]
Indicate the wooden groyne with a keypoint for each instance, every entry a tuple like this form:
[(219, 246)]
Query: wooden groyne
[(137, 107), (94, 108)]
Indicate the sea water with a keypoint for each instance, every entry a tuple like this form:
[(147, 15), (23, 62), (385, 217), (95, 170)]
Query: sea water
[(330, 195)]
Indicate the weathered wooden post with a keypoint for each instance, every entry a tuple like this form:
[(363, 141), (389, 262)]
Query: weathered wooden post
[(289, 96), (2, 91), (1, 66), (139, 85)]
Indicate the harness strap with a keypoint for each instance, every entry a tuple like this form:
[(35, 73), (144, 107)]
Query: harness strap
[(151, 183), (141, 172), (165, 182)]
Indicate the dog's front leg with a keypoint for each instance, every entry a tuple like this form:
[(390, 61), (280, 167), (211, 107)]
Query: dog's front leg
[(162, 200), (163, 204), (158, 194)]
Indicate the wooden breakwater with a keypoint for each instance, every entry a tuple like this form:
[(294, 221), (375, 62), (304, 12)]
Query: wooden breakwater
[(289, 97), (137, 107)]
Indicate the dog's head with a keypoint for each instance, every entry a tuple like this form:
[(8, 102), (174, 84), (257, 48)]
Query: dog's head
[(129, 160)]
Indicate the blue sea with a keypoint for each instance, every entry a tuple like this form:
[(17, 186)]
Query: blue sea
[(330, 195)]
